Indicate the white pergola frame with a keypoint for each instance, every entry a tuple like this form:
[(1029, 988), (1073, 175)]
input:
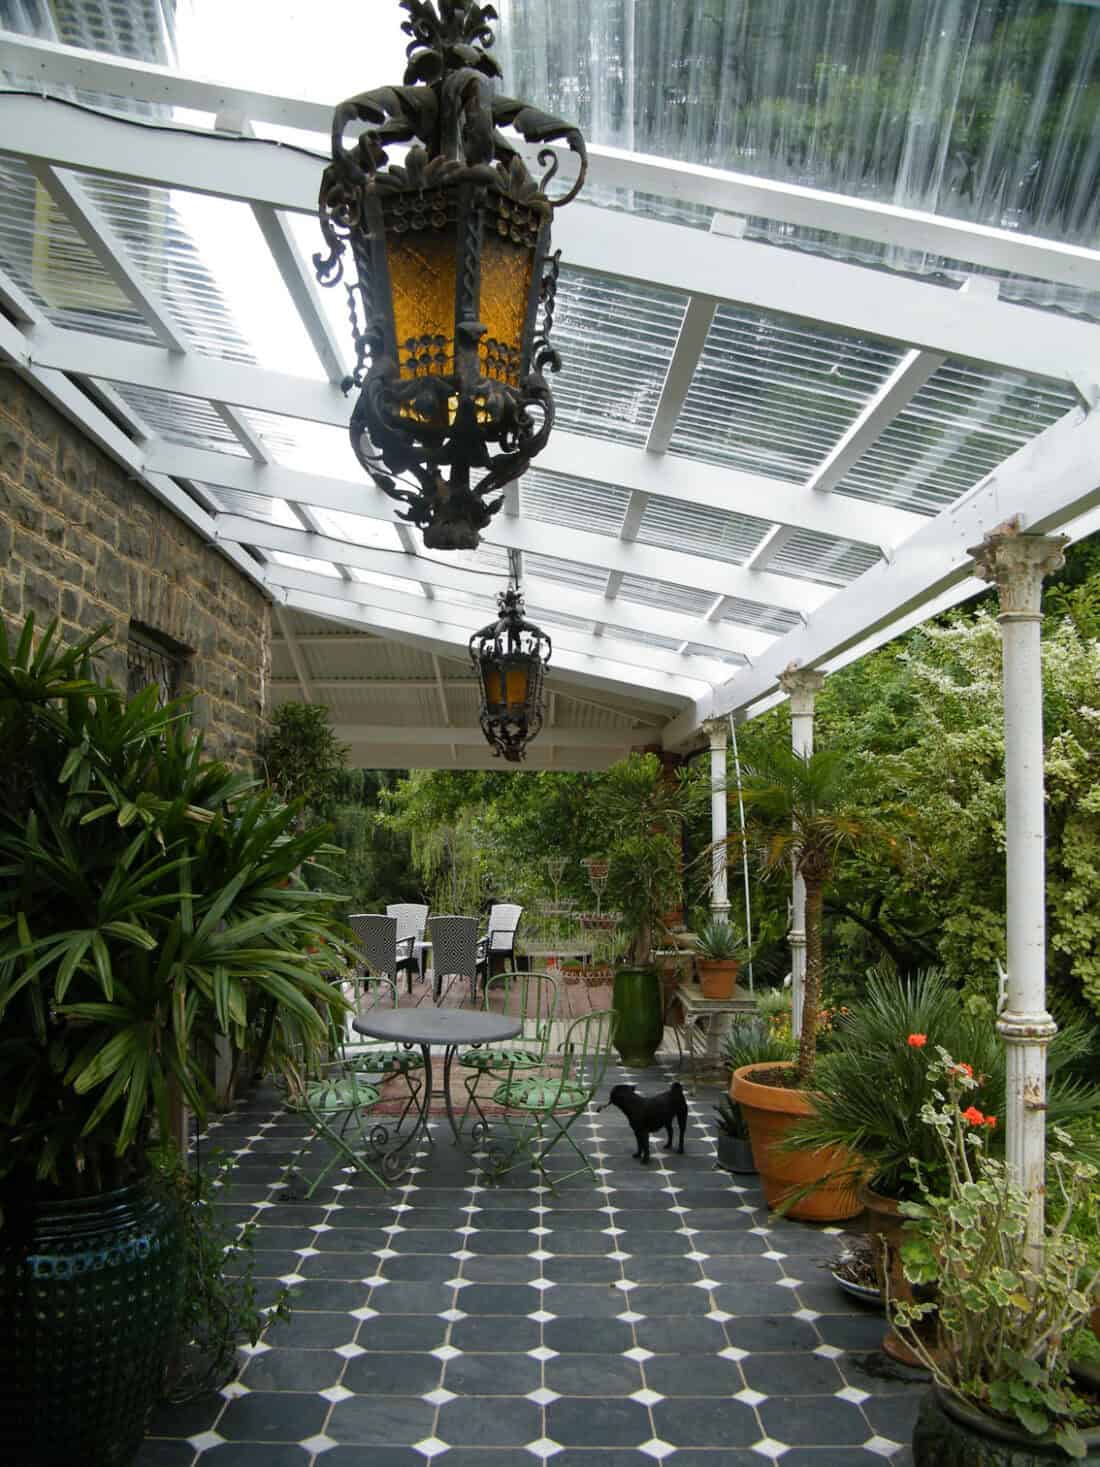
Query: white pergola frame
[(702, 664)]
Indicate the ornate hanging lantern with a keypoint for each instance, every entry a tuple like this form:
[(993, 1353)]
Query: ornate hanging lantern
[(510, 658), (452, 260)]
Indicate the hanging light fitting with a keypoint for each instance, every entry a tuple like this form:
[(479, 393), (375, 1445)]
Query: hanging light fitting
[(452, 258), (510, 657)]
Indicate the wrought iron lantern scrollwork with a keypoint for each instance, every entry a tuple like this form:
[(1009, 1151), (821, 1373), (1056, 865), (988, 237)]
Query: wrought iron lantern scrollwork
[(453, 301), (510, 657)]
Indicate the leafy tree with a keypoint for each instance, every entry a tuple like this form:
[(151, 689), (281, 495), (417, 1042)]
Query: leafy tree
[(302, 756)]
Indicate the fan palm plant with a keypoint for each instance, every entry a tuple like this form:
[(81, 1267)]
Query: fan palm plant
[(148, 902), (802, 810)]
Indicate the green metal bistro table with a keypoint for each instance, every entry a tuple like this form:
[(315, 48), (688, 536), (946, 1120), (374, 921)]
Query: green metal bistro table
[(454, 1029)]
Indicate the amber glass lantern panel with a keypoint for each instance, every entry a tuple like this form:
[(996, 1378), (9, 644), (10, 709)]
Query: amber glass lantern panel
[(423, 267), (505, 289), (507, 684)]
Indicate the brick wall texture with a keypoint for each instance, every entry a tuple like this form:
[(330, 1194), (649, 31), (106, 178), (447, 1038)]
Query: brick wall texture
[(81, 540)]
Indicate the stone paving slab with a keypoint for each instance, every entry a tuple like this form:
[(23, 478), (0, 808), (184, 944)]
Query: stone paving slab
[(654, 1315)]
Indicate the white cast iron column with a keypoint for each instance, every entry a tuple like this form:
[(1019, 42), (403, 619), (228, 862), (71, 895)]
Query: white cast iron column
[(1017, 564), (719, 891), (802, 687)]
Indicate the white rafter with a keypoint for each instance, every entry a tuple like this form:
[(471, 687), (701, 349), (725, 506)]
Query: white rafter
[(851, 297), (297, 656), (539, 590), (690, 341), (646, 666), (1050, 482), (611, 168)]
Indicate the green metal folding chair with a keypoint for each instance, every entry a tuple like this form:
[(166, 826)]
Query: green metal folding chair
[(531, 998), (538, 1110), (338, 1103)]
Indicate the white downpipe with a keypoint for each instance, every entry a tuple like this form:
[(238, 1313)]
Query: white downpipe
[(802, 687), (744, 846), (1017, 563)]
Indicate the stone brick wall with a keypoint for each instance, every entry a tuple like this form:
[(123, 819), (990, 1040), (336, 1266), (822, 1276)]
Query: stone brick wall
[(81, 540)]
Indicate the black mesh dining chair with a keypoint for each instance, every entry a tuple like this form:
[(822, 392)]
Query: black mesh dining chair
[(454, 953)]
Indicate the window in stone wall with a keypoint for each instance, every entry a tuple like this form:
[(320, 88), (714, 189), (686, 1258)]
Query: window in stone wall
[(151, 657)]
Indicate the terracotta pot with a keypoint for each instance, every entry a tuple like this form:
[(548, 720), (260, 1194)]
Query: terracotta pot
[(884, 1229), (771, 1111), (718, 977)]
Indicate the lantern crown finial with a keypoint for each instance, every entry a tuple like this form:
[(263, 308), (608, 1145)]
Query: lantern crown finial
[(456, 36)]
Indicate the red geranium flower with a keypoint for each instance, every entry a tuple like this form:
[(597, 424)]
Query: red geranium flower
[(967, 1070), (991, 1121), (973, 1116), (918, 1041)]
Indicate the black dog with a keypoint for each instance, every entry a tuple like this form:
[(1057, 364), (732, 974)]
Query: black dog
[(655, 1113)]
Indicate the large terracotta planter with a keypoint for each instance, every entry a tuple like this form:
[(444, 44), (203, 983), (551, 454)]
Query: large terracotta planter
[(637, 1000), (950, 1433), (771, 1111), (718, 977)]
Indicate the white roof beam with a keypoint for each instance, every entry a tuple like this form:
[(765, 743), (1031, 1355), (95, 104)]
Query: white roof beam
[(649, 667), (686, 480), (446, 638), (441, 689), (853, 298), (729, 192), (681, 370), (635, 513), (540, 591), (433, 735), (1050, 483), (297, 656), (773, 542), (538, 537)]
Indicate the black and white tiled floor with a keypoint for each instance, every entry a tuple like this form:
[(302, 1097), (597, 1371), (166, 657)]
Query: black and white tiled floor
[(656, 1316)]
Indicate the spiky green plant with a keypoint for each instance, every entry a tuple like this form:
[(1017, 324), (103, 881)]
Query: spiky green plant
[(870, 1090), (148, 902)]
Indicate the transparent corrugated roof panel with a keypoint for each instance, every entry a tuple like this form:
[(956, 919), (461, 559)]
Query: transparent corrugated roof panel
[(567, 572), (814, 557), (716, 654), (254, 507), (185, 420), (555, 618), (304, 563), (773, 619), (700, 529), (45, 256), (579, 504), (773, 394), (642, 639), (167, 236), (615, 339), (312, 448), (385, 582), (963, 422), (665, 595)]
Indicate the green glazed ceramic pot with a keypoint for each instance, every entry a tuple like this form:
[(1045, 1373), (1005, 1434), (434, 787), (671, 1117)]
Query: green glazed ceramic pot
[(636, 999), (90, 1293), (949, 1433)]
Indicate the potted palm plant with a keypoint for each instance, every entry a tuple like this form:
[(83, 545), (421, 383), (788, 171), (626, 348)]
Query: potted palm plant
[(802, 812), (148, 896), (1004, 1311)]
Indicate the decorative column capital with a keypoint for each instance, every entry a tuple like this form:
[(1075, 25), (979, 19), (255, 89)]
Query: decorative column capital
[(717, 731), (802, 685), (1018, 564)]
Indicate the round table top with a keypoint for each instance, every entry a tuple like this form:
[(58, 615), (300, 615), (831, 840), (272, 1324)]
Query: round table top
[(425, 1025)]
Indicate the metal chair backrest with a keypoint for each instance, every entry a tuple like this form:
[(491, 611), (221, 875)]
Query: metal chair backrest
[(377, 942), (454, 947), (586, 1049), (532, 997), (503, 921), (412, 918)]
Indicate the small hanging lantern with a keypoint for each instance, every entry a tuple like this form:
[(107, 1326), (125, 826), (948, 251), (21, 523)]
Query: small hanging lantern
[(510, 658), (453, 265)]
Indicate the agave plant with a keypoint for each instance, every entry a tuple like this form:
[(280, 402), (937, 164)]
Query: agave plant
[(871, 1088), (148, 902)]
